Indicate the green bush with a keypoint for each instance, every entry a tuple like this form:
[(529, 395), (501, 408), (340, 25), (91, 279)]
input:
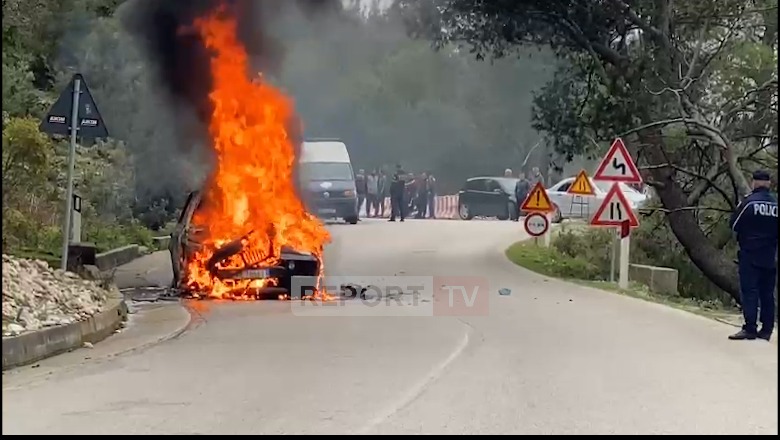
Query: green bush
[(591, 246), (551, 262), (653, 243), (110, 236)]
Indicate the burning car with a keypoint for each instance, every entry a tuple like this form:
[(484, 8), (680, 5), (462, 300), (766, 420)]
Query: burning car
[(234, 269), (246, 231)]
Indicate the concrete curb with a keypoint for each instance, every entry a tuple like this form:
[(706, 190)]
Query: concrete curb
[(726, 321), (34, 346), (161, 243), (116, 257), (186, 325)]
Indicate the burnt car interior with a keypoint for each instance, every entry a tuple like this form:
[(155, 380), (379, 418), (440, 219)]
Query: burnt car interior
[(233, 262)]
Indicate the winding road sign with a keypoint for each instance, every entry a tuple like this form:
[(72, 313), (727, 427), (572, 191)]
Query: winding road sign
[(617, 165)]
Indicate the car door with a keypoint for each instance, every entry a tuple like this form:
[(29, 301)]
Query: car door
[(175, 245), (495, 199), (468, 195), (561, 198), (478, 199)]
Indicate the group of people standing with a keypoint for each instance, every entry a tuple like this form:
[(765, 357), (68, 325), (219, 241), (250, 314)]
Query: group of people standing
[(524, 185), (409, 193)]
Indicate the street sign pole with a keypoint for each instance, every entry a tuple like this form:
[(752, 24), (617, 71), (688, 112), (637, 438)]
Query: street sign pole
[(85, 124), (625, 246), (548, 233), (612, 251), (74, 126)]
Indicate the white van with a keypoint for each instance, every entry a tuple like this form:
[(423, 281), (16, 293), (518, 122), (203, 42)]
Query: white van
[(327, 179)]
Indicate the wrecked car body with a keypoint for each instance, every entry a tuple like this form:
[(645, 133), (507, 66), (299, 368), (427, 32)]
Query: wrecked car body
[(233, 264)]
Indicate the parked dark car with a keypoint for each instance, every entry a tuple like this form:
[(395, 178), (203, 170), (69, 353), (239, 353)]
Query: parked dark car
[(488, 197), (186, 240)]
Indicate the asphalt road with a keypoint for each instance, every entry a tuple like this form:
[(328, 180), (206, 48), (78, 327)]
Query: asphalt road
[(551, 358)]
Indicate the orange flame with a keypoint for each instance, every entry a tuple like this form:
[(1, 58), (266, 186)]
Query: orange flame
[(251, 192)]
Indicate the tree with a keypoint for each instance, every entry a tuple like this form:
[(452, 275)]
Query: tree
[(392, 100), (692, 86)]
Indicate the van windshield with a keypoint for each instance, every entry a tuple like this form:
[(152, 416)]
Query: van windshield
[(311, 171)]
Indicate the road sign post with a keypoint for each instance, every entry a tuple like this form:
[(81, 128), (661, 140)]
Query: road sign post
[(538, 203), (625, 247), (613, 242), (77, 116), (74, 127), (547, 237), (537, 224), (75, 221), (615, 211)]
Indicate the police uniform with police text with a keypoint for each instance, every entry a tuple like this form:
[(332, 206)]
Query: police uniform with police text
[(755, 223)]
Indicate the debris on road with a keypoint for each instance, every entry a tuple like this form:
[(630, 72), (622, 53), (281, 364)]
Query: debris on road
[(36, 296), (353, 291), (504, 291)]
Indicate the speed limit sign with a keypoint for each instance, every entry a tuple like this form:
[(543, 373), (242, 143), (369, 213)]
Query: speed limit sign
[(536, 224)]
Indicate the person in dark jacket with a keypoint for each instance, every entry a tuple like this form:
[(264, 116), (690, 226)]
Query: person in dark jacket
[(522, 188), (384, 191), (421, 186), (410, 193), (361, 186), (431, 196), (397, 190), (755, 223)]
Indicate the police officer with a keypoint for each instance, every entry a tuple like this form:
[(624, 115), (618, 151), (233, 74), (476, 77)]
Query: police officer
[(755, 223), (397, 190)]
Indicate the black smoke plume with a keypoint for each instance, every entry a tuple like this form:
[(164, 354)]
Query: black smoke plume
[(164, 31)]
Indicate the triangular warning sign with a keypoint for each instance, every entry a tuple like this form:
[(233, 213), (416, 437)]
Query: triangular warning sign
[(617, 165), (581, 185), (537, 200), (614, 210), (58, 119)]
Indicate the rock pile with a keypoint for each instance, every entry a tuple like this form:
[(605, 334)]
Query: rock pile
[(37, 296)]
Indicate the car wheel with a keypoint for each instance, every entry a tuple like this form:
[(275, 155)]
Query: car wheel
[(464, 212), (352, 220)]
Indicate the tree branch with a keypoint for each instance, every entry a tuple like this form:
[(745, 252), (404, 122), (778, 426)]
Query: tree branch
[(648, 211), (696, 193), (716, 137), (657, 34)]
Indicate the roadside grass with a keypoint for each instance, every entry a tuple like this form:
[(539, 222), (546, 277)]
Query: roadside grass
[(585, 272), (39, 243), (53, 260)]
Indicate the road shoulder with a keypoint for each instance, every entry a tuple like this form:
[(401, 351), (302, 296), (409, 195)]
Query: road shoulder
[(150, 325), (539, 266)]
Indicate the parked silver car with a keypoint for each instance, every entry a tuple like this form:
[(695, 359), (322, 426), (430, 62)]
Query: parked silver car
[(572, 206)]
